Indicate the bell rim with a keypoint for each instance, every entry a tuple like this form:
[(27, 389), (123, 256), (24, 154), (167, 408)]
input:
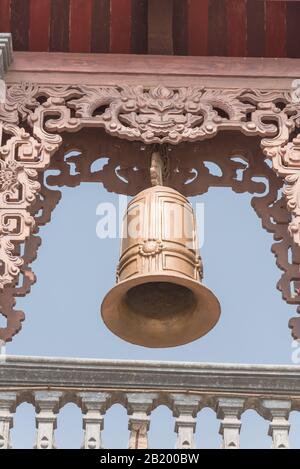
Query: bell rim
[(110, 313)]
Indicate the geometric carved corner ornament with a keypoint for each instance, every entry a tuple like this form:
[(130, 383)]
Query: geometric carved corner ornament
[(35, 119)]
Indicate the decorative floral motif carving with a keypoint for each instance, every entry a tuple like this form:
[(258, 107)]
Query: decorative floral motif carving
[(34, 116), (151, 247)]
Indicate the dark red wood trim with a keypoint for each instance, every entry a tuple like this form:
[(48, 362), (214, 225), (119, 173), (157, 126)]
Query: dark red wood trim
[(197, 27), (255, 28), (80, 25), (217, 28), (293, 29), (59, 27), (5, 16), (20, 23), (275, 29), (236, 28), (240, 28), (100, 26), (139, 32), (160, 27), (180, 33), (120, 26), (39, 25)]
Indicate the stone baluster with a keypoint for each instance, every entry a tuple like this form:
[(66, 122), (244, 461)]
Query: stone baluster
[(278, 412), (229, 410), (47, 405), (139, 407), (94, 406), (7, 409), (185, 408)]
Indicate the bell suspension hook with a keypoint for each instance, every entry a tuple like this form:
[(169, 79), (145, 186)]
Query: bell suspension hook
[(159, 165)]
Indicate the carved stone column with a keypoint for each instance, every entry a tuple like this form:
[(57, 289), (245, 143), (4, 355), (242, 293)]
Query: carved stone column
[(47, 405), (185, 409), (139, 407), (7, 408), (94, 406), (278, 412), (229, 410)]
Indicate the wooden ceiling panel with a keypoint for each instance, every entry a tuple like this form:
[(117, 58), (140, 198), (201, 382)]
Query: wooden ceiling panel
[(238, 28)]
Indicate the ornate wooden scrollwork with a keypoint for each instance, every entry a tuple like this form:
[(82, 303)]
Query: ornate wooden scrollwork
[(35, 118)]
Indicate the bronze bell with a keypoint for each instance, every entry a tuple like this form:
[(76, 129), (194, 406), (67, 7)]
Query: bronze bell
[(159, 300)]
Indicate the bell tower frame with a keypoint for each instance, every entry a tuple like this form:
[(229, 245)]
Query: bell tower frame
[(242, 107)]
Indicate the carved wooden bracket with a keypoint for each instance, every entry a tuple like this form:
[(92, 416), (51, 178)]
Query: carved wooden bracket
[(34, 116)]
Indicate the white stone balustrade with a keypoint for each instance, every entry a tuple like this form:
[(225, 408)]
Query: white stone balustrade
[(278, 412), (94, 406), (7, 408), (47, 405), (229, 410), (185, 388), (139, 407), (185, 408)]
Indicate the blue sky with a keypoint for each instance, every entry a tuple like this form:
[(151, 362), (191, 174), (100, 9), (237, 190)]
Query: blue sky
[(75, 269)]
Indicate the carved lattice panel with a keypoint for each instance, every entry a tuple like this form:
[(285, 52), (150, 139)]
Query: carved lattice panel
[(35, 119)]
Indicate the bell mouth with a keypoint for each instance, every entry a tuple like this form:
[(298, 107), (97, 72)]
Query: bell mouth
[(159, 300), (160, 310)]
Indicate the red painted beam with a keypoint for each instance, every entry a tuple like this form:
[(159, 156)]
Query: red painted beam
[(20, 24), (217, 28), (197, 27), (236, 28), (180, 27), (255, 28), (100, 26), (59, 27), (293, 22), (120, 26), (160, 27), (80, 25), (5, 16), (139, 27), (39, 25), (275, 44)]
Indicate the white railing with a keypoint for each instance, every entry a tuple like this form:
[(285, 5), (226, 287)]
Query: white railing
[(186, 388)]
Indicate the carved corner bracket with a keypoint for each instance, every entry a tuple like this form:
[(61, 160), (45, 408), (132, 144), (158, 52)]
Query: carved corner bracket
[(33, 117)]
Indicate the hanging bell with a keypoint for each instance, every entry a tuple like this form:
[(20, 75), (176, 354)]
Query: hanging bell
[(159, 300)]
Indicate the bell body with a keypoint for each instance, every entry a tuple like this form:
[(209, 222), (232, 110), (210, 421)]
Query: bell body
[(159, 300)]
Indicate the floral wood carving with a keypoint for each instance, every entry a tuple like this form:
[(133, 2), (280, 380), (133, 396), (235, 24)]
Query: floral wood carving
[(34, 116)]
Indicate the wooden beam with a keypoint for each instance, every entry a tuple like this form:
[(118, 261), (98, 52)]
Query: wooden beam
[(59, 28), (80, 25), (160, 27), (236, 28), (5, 16), (120, 26), (275, 45), (197, 27), (106, 69), (256, 28), (100, 26), (39, 25), (20, 23)]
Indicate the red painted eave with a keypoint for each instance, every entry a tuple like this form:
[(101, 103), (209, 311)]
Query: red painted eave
[(241, 28)]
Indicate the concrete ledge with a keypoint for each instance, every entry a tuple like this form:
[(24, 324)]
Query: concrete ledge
[(17, 372)]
